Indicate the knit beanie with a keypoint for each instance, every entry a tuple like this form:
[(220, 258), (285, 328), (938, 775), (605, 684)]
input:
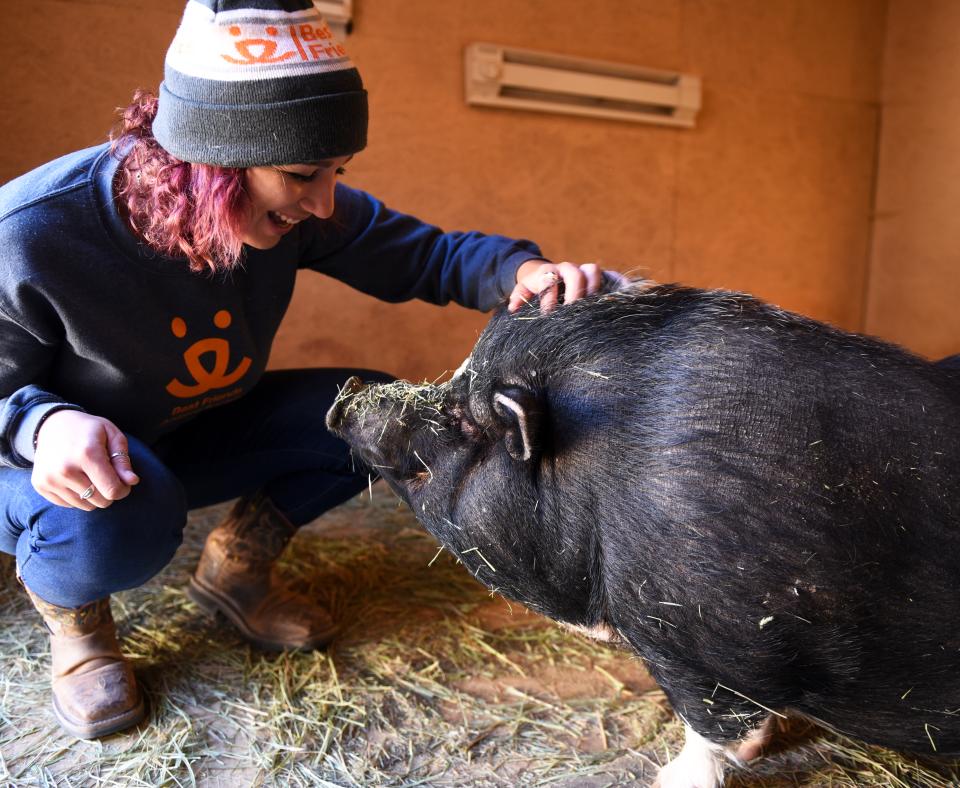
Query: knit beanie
[(258, 82)]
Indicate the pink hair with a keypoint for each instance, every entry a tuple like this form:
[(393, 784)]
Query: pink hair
[(179, 208)]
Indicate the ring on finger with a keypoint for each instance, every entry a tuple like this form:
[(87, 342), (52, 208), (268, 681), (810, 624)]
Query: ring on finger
[(550, 278), (119, 454), (88, 493)]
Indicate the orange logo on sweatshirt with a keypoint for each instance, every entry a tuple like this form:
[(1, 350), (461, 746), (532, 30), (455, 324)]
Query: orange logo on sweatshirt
[(215, 377), (312, 43)]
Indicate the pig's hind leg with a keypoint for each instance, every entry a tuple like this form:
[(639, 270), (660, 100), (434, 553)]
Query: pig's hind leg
[(701, 762), (757, 741)]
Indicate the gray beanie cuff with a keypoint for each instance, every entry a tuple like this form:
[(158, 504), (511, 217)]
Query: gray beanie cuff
[(298, 131)]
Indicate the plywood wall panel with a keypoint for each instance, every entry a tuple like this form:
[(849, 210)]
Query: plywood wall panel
[(645, 31), (922, 54), (774, 198), (914, 282), (915, 269), (63, 76), (767, 194), (792, 46)]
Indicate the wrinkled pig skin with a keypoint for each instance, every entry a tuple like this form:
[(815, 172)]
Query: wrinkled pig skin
[(765, 508)]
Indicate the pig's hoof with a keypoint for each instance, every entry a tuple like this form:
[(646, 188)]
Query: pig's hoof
[(687, 773), (699, 765)]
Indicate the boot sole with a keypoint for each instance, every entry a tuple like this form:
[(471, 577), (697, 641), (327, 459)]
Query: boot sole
[(102, 728), (214, 603)]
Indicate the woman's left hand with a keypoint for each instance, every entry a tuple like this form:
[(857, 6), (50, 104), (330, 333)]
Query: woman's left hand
[(541, 278)]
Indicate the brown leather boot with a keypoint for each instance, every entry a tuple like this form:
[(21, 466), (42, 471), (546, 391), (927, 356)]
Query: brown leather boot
[(94, 690), (235, 577)]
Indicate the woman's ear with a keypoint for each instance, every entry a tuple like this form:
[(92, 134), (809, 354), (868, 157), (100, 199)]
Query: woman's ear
[(520, 410)]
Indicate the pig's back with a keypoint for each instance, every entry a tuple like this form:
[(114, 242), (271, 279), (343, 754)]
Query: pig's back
[(791, 513)]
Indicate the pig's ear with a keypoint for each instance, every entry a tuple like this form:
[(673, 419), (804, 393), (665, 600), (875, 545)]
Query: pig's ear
[(520, 411)]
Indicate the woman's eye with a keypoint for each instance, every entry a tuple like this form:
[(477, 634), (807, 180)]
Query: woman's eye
[(299, 176)]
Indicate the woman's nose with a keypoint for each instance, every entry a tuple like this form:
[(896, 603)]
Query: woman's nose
[(318, 198)]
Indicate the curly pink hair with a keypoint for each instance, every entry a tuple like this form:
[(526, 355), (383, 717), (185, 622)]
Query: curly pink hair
[(179, 208)]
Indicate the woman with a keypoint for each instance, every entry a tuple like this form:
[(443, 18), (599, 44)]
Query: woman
[(141, 286)]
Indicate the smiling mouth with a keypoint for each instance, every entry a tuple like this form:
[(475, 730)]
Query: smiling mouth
[(282, 220)]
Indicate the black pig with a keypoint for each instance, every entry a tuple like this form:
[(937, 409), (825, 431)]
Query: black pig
[(763, 507)]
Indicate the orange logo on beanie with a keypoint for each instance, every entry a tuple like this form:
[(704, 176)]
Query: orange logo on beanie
[(311, 42), (216, 377), (267, 48)]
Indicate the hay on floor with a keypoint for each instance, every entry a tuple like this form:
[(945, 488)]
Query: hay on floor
[(431, 682)]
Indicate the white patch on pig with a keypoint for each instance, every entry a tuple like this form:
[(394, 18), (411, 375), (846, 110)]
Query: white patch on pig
[(463, 367), (603, 632), (699, 764)]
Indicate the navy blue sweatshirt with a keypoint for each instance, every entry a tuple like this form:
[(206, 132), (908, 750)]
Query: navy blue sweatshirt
[(91, 317)]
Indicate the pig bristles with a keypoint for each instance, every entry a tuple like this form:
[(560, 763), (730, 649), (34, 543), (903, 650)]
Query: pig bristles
[(927, 726), (590, 372), (386, 423), (477, 551), (424, 464), (663, 621), (741, 695)]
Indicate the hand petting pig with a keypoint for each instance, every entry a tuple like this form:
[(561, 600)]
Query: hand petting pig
[(553, 281)]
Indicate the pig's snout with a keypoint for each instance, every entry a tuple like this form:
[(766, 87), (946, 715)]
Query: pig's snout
[(336, 413)]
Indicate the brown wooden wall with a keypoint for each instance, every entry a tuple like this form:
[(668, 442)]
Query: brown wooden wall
[(914, 287), (772, 192)]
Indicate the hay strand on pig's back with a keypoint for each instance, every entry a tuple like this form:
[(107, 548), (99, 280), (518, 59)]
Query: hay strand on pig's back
[(432, 682)]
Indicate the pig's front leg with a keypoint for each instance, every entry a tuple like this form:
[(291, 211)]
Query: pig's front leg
[(699, 764)]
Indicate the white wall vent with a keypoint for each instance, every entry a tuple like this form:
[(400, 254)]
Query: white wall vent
[(338, 13), (501, 76)]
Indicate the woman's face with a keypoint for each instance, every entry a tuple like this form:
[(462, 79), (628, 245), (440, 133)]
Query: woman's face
[(282, 196)]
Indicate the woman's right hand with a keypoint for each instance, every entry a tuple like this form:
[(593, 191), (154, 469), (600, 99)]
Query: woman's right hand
[(76, 450)]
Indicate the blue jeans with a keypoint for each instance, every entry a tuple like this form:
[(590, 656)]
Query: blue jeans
[(273, 439)]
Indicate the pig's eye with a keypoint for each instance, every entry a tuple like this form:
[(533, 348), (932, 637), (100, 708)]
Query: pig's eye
[(464, 423), (468, 428)]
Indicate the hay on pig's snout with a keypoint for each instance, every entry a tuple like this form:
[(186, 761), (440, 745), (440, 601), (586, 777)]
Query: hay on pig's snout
[(400, 394)]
